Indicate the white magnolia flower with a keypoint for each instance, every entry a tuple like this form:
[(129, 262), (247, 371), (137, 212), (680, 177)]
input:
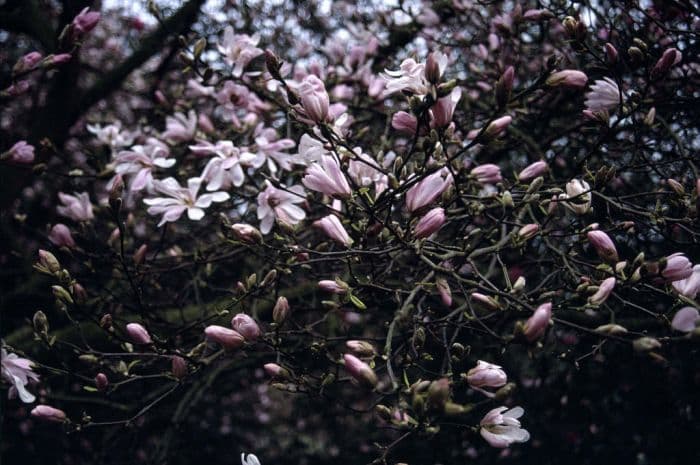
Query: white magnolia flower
[(249, 459), (501, 428), (277, 204), (18, 371), (141, 160), (180, 199), (111, 134), (226, 167), (239, 49), (180, 128), (603, 96)]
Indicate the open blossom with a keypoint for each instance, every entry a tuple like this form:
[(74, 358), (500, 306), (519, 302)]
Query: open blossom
[(21, 152), (140, 161), (428, 189), (271, 148), (76, 207), (225, 168), (18, 371), (327, 177), (239, 49), (277, 204), (180, 199), (365, 171), (501, 428), (578, 191), (411, 76), (685, 319), (60, 236), (690, 286), (603, 96), (485, 375), (111, 134), (180, 128), (314, 99), (310, 150), (334, 229)]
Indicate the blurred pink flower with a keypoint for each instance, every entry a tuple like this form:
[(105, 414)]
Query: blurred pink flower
[(48, 413), (537, 324), (685, 319), (690, 286), (21, 152), (76, 207), (180, 128), (140, 161), (18, 371), (603, 96), (60, 236), (334, 229), (239, 49)]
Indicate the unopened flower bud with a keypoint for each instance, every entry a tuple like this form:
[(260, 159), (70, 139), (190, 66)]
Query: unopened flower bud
[(432, 68), (360, 370), (603, 245), (430, 223), (48, 263), (140, 254), (227, 338), (41, 323), (269, 278), (567, 78), (485, 375), (247, 233), (533, 170), (361, 348), (504, 86), (62, 294), (611, 53), (611, 329), (537, 324), (603, 292), (445, 292), (178, 366), (528, 231), (48, 413), (281, 310), (106, 321), (646, 344), (487, 301), (138, 334), (676, 186), (115, 194), (335, 287), (246, 326), (669, 58), (101, 382), (276, 371), (438, 393)]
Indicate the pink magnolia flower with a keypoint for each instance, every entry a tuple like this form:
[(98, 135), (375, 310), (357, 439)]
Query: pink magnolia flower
[(689, 286), (180, 199), (76, 207), (359, 370), (500, 427), (246, 326), (365, 171), (18, 371), (578, 191), (603, 245), (603, 96), (60, 236), (281, 205), (404, 122), (327, 177), (180, 128), (487, 174), (677, 267), (314, 99), (138, 334), (427, 190), (48, 413), (112, 134), (443, 110), (685, 319), (430, 223), (567, 78), (140, 162), (225, 168), (485, 375), (533, 170), (334, 229), (86, 21), (27, 62), (669, 58), (496, 127), (271, 148), (227, 338), (21, 152), (603, 292), (411, 76), (239, 49), (333, 286), (537, 324), (310, 150)]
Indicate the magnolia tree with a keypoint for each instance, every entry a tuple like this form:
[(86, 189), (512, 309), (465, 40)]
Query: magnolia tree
[(374, 232)]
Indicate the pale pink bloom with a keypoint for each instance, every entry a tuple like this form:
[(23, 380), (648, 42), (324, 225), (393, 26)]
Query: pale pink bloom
[(327, 177), (18, 371), (603, 292), (227, 338), (603, 245), (140, 161), (427, 190), (276, 204), (60, 236), (76, 207), (359, 370), (677, 267), (685, 319), (578, 191), (86, 21), (533, 170), (443, 110), (334, 229), (269, 147), (310, 150), (111, 134), (690, 286), (537, 324), (21, 152), (404, 122), (332, 286), (180, 199), (487, 174), (500, 427), (48, 413), (314, 99), (225, 168), (239, 49), (603, 96), (180, 128), (430, 223), (411, 77), (567, 78), (138, 334), (246, 326), (365, 171), (485, 375)]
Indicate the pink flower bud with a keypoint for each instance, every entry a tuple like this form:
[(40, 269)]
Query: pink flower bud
[(361, 348), (496, 127), (138, 334), (140, 254), (227, 338), (48, 413), (21, 152), (489, 302), (603, 292), (567, 78), (60, 236), (27, 62), (275, 371), (432, 68), (443, 288), (443, 110), (86, 21), (537, 324), (690, 286), (314, 98), (101, 382), (427, 190), (404, 122), (430, 223), (359, 370), (333, 286), (334, 229), (246, 326), (669, 58), (281, 310), (533, 171), (685, 319), (485, 375), (79, 293), (611, 53), (178, 366), (603, 245), (528, 231), (246, 233), (55, 60), (487, 174), (677, 267)]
